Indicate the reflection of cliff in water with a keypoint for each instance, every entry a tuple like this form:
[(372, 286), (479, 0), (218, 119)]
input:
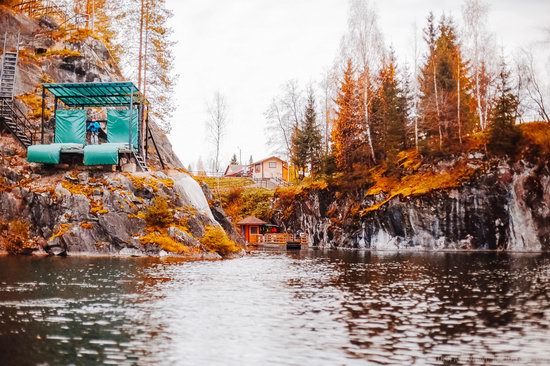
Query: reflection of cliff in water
[(412, 303)]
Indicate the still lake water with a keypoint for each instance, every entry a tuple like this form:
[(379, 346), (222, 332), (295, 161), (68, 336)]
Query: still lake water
[(307, 308)]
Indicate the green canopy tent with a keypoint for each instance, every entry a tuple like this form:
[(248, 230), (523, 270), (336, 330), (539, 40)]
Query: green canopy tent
[(122, 95), (86, 95)]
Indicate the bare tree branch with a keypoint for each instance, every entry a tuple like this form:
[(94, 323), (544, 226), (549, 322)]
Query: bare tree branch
[(217, 125)]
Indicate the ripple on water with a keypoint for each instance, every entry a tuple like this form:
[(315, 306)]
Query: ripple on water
[(288, 309)]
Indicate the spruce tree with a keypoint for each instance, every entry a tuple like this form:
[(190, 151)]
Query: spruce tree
[(503, 132), (390, 110), (234, 160), (298, 151), (312, 137), (347, 143)]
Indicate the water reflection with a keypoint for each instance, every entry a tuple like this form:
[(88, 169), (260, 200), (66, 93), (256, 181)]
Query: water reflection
[(322, 308)]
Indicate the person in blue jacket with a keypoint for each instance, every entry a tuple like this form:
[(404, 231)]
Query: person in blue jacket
[(94, 128)]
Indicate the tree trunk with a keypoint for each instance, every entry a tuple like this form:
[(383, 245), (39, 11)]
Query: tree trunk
[(458, 102), (140, 53), (367, 122), (437, 107)]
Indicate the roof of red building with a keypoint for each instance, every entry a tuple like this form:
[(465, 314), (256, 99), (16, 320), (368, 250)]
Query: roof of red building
[(251, 220)]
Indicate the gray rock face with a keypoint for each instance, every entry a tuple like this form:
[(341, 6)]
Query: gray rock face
[(507, 208), (183, 237), (104, 213)]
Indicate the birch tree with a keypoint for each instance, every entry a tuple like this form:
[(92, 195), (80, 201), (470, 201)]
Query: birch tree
[(328, 87), (283, 117), (363, 44), (217, 125), (533, 86), (479, 49)]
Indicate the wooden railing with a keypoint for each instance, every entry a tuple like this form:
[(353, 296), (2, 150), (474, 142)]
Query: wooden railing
[(277, 238)]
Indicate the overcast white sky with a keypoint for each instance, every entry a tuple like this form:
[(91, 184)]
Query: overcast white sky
[(247, 49)]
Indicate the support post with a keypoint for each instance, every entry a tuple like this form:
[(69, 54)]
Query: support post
[(157, 149), (147, 133), (42, 117), (55, 111), (131, 119), (140, 130)]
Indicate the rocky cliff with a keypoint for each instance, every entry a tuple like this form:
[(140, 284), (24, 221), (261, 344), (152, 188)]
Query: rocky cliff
[(470, 202), (67, 210), (50, 54), (74, 209)]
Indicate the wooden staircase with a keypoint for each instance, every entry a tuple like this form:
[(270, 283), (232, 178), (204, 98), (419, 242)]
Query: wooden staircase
[(11, 116)]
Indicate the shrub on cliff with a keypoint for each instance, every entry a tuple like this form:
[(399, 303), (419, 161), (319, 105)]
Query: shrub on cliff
[(159, 213), (216, 240), (239, 203), (165, 242)]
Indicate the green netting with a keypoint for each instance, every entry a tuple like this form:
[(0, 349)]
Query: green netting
[(104, 154), (48, 154), (95, 94), (118, 122), (70, 126)]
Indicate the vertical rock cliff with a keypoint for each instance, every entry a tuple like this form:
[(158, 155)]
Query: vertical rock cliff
[(507, 206)]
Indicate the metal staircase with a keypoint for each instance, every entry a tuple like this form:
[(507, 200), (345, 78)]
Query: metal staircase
[(140, 161), (10, 115), (9, 66)]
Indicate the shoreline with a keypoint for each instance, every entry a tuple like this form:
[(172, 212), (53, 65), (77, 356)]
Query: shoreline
[(213, 257), (405, 250)]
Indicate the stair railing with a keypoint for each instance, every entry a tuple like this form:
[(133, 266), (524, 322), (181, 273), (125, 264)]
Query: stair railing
[(24, 126)]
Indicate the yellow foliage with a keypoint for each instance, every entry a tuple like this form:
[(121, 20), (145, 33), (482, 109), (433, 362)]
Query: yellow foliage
[(536, 135), (139, 215), (215, 239), (96, 206), (34, 103), (221, 185), (159, 214), (63, 228), (65, 52), (165, 242), (143, 182), (87, 225), (45, 78), (4, 186), (409, 160), (239, 203), (416, 184), (15, 236)]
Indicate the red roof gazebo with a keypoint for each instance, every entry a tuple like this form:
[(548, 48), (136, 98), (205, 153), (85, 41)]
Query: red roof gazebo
[(250, 227)]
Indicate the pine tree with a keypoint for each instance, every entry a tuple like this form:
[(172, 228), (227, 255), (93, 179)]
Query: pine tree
[(503, 133), (234, 160), (348, 147), (143, 47)]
